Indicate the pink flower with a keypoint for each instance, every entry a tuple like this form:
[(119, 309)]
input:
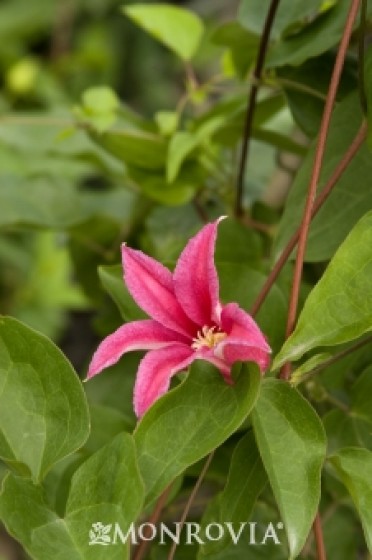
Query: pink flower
[(188, 321)]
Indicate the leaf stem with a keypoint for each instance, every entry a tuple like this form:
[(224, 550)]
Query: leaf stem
[(190, 501), (320, 200), (318, 160), (153, 519), (318, 534), (302, 88), (247, 134)]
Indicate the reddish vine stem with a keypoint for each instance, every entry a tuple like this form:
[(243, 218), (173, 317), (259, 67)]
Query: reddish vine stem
[(192, 496), (153, 519), (319, 541), (320, 200), (318, 160), (247, 134)]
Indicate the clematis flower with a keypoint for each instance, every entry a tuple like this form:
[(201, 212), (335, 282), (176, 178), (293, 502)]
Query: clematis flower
[(188, 321)]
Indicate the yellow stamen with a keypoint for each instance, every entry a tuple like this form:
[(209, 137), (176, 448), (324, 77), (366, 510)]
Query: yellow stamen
[(207, 337)]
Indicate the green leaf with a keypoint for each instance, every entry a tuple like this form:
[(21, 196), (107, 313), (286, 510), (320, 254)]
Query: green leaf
[(306, 88), (352, 428), (107, 488), (99, 108), (237, 244), (350, 198), (178, 191), (316, 38), (39, 202), (178, 29), (339, 308), (354, 466), (167, 121), (110, 476), (43, 410), (100, 99), (292, 445), (252, 14), (243, 44), (134, 147), (245, 481), (308, 366), (192, 419)]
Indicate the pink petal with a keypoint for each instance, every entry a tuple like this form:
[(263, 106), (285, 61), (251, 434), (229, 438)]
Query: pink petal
[(245, 341), (232, 350), (155, 372), (151, 286), (195, 277), (238, 324), (139, 335)]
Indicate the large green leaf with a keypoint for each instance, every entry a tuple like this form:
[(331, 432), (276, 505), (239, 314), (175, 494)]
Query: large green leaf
[(350, 198), (43, 410), (245, 481), (190, 421), (177, 28), (106, 489), (292, 445), (339, 308), (354, 466)]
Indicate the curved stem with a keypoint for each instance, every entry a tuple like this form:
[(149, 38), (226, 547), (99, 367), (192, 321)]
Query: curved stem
[(318, 160), (318, 534), (264, 43), (153, 519), (320, 200), (190, 501)]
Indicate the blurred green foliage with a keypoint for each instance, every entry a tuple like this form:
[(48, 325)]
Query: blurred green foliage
[(124, 123)]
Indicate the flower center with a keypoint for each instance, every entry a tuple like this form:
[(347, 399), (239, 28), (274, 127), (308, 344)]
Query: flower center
[(207, 337)]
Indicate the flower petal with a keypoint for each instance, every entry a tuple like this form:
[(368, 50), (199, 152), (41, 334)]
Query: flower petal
[(238, 324), (155, 372), (139, 335), (151, 286), (195, 277), (233, 350), (245, 341)]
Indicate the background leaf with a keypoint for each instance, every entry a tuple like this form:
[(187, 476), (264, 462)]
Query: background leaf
[(106, 488), (355, 467), (177, 28), (350, 198)]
